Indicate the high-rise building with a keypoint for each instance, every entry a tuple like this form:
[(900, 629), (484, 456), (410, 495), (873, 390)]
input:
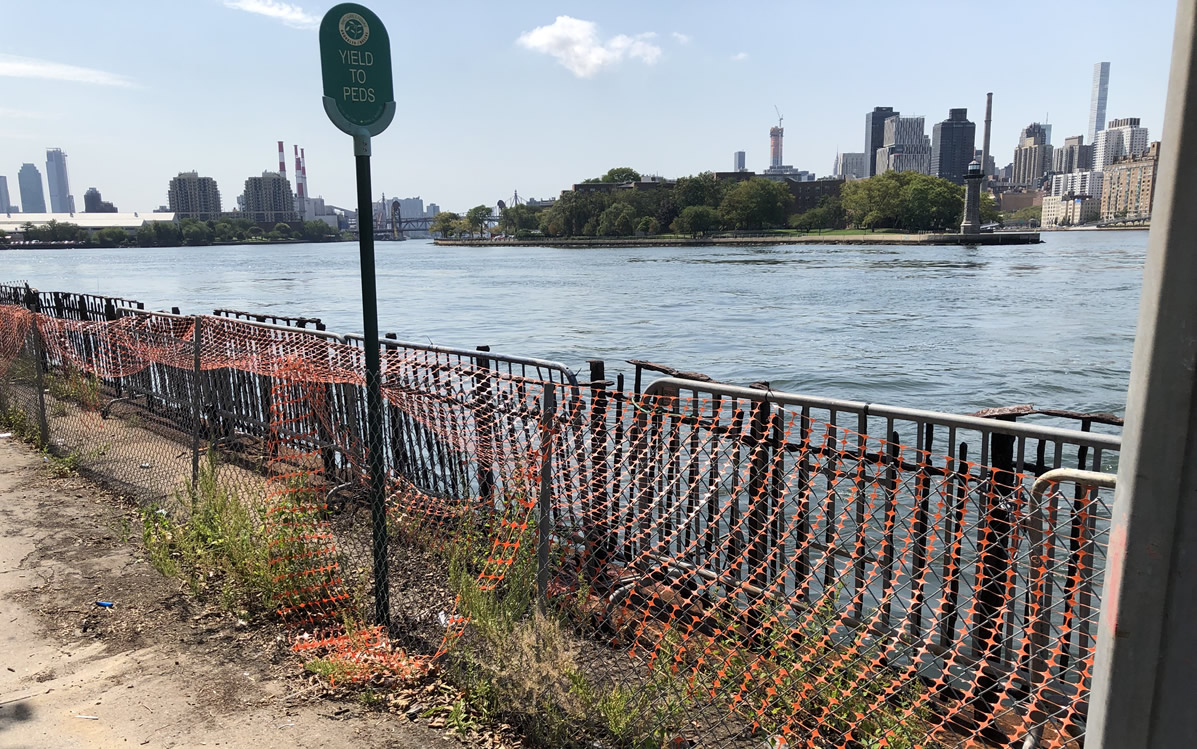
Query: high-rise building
[(1032, 156), (905, 146), (268, 199), (33, 198), (875, 133), (5, 205), (61, 200), (851, 166), (953, 143), (738, 162), (434, 210), (1128, 189), (1097, 100), (1122, 138), (1076, 183), (1073, 156), (93, 203), (193, 196), (775, 136)]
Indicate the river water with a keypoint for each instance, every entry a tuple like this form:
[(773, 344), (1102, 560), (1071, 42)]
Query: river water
[(945, 328)]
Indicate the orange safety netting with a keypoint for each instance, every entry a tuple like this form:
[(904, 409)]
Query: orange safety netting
[(778, 576)]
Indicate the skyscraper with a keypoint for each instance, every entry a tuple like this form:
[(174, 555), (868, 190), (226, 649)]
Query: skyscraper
[(1073, 156), (1032, 156), (193, 196), (1097, 100), (61, 200), (905, 146), (775, 136), (268, 199), (953, 142), (875, 134), (1123, 137), (738, 162), (94, 203), (33, 198), (5, 205), (851, 166)]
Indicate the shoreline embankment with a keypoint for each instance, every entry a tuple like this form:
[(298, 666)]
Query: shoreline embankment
[(996, 238)]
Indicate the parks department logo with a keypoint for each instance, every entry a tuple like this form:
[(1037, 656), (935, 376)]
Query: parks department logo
[(354, 29)]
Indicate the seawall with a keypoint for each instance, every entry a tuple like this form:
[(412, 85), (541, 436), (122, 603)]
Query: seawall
[(824, 239)]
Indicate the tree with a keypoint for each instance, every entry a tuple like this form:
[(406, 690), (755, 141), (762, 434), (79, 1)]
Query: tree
[(283, 230), (254, 232), (197, 233), (3, 236), (444, 223), (318, 231), (695, 220), (167, 233), (476, 217), (828, 214), (930, 203), (989, 209), (754, 204), (616, 220), (701, 189), (112, 236), (620, 174)]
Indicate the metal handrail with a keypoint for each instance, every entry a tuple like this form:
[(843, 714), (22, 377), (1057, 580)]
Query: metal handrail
[(1037, 668), (527, 361), (290, 330), (667, 386)]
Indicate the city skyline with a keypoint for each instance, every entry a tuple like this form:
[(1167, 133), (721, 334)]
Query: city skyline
[(105, 109)]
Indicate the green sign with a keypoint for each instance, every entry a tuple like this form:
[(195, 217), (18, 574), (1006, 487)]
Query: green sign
[(355, 59)]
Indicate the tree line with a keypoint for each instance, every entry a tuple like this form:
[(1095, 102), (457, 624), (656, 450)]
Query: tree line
[(192, 232), (698, 205)]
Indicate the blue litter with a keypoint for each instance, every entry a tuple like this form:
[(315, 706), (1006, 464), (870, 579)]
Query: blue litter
[(105, 604)]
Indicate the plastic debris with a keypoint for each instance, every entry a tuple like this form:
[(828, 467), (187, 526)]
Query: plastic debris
[(5, 435), (145, 465), (88, 717), (105, 604)]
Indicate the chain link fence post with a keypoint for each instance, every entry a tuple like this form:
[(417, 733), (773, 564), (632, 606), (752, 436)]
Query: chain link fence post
[(33, 304), (544, 520), (196, 375)]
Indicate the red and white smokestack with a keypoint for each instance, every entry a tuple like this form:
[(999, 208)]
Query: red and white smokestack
[(282, 161), (303, 166), (298, 174)]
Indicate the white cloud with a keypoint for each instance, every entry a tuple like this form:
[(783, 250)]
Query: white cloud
[(13, 66), (680, 38), (740, 56), (576, 45), (292, 15)]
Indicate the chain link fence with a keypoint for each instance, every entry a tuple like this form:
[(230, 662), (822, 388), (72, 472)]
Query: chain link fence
[(692, 565)]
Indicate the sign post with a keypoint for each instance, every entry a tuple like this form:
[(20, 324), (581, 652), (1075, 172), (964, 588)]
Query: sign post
[(359, 98)]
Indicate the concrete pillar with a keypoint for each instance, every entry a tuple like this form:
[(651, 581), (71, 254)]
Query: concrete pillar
[(1145, 672)]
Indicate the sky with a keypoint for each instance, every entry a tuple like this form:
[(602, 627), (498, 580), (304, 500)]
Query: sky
[(532, 96)]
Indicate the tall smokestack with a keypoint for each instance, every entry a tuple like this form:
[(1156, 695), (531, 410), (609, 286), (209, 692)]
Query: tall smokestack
[(282, 161), (303, 167), (298, 174), (985, 140)]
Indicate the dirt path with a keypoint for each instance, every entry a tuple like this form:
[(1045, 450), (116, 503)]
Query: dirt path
[(156, 669)]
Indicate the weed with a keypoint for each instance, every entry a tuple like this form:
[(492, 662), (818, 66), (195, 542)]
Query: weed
[(63, 466), (76, 386), (221, 547), (329, 669), (58, 409), (17, 421)]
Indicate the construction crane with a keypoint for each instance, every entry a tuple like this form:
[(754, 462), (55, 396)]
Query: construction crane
[(779, 117)]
